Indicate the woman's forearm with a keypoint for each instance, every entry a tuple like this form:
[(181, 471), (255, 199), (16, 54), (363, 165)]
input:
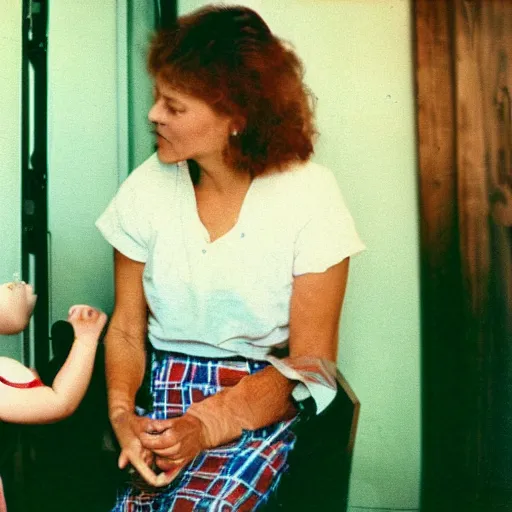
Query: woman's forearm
[(125, 364), (257, 401)]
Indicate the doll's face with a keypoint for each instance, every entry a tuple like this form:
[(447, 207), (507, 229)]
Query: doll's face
[(17, 301)]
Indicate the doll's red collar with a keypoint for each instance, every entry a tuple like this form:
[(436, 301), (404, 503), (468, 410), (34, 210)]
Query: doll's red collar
[(22, 385)]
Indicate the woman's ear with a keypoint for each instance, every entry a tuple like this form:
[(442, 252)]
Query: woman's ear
[(237, 126)]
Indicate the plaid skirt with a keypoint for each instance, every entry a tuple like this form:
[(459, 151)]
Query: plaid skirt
[(239, 476)]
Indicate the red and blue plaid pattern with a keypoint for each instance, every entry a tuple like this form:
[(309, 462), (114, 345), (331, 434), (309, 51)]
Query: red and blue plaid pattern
[(239, 476)]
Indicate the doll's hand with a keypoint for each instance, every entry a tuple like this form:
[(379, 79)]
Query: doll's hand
[(17, 301), (174, 442), (87, 322)]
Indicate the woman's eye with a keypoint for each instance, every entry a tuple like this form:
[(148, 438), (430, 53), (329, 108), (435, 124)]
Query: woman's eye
[(173, 110)]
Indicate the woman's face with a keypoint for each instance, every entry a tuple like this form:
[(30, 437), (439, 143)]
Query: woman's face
[(186, 126)]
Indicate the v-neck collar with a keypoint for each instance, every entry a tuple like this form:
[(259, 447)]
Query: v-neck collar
[(191, 205)]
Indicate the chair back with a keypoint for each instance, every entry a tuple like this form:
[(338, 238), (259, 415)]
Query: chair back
[(319, 466)]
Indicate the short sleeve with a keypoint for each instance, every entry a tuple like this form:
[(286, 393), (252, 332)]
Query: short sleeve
[(328, 234), (124, 225), (315, 377)]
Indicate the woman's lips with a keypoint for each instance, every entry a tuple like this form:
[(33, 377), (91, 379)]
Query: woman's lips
[(160, 136)]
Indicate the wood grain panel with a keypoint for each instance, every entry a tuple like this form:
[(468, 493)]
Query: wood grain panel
[(463, 71), (436, 141), (440, 259)]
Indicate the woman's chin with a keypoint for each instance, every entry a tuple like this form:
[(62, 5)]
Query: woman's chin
[(166, 157)]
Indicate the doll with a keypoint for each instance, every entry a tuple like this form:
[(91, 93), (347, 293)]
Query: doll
[(23, 396)]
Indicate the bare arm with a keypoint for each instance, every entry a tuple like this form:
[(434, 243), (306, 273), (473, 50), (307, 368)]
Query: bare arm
[(316, 306), (48, 404), (125, 365), (124, 343)]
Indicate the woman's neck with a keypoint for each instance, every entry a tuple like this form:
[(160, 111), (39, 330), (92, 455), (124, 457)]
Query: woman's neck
[(218, 177)]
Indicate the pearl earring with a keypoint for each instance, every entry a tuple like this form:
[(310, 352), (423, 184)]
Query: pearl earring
[(234, 133)]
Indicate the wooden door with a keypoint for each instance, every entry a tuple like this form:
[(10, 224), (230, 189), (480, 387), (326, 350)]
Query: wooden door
[(464, 84)]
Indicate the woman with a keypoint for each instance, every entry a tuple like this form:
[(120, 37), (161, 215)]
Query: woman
[(229, 243)]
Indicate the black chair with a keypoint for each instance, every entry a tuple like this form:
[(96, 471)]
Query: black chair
[(320, 464)]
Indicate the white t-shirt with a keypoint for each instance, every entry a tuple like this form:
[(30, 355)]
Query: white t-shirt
[(231, 296)]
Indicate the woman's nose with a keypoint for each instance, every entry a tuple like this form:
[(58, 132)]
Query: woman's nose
[(155, 113)]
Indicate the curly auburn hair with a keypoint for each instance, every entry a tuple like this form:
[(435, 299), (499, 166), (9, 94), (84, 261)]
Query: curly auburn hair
[(228, 57)]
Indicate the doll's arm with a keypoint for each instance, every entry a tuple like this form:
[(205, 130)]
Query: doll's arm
[(48, 404)]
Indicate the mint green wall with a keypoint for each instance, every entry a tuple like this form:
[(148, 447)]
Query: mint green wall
[(358, 58), (10, 155), (82, 149), (140, 29), (90, 126)]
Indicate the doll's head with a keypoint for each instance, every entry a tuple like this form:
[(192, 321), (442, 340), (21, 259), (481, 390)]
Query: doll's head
[(17, 301)]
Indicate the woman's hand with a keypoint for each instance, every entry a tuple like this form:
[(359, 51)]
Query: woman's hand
[(129, 428), (174, 442)]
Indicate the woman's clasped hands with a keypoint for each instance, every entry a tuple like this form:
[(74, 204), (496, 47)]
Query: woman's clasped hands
[(158, 449)]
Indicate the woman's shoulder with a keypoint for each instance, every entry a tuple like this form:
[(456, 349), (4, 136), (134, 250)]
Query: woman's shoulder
[(304, 182), (151, 182), (306, 175), (151, 172)]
